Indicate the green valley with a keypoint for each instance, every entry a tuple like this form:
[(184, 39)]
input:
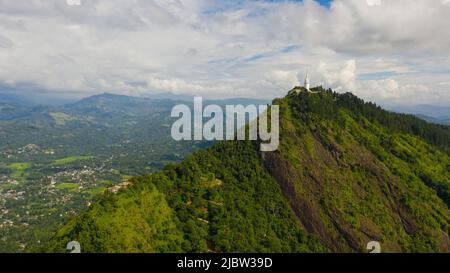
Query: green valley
[(56, 160)]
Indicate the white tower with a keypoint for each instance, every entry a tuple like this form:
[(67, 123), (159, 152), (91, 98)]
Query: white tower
[(307, 81)]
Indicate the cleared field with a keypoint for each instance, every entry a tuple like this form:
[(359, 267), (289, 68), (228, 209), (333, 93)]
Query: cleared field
[(67, 186), (70, 159), (60, 118), (18, 169)]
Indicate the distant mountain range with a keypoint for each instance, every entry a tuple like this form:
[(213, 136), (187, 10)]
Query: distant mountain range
[(12, 107), (430, 113), (30, 98)]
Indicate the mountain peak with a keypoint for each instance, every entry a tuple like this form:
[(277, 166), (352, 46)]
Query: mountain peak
[(346, 173)]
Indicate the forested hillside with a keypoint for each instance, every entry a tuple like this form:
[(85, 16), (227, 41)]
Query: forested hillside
[(346, 173), (55, 160)]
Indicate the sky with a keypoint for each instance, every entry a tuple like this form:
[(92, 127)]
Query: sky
[(393, 52)]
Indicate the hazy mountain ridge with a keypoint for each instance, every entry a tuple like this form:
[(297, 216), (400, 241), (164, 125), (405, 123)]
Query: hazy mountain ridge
[(442, 120), (430, 113)]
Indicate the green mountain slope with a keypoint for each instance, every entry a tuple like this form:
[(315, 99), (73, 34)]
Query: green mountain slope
[(351, 181), (222, 200), (346, 173)]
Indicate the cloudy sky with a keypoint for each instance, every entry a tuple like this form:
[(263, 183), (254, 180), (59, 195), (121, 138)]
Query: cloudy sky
[(388, 51)]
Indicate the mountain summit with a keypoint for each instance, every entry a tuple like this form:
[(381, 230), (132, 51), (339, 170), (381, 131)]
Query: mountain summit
[(346, 173)]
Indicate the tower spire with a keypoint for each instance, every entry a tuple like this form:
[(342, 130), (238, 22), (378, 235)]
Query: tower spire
[(307, 81)]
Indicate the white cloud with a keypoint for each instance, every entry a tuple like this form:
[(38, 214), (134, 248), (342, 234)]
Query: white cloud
[(374, 2), (381, 50)]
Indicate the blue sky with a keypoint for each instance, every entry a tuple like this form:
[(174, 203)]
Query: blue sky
[(322, 2), (237, 4), (325, 2)]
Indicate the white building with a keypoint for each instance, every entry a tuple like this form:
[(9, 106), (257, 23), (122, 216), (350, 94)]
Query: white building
[(307, 81)]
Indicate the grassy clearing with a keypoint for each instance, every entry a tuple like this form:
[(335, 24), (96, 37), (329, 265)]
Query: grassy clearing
[(70, 159), (67, 186), (18, 169), (60, 118)]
